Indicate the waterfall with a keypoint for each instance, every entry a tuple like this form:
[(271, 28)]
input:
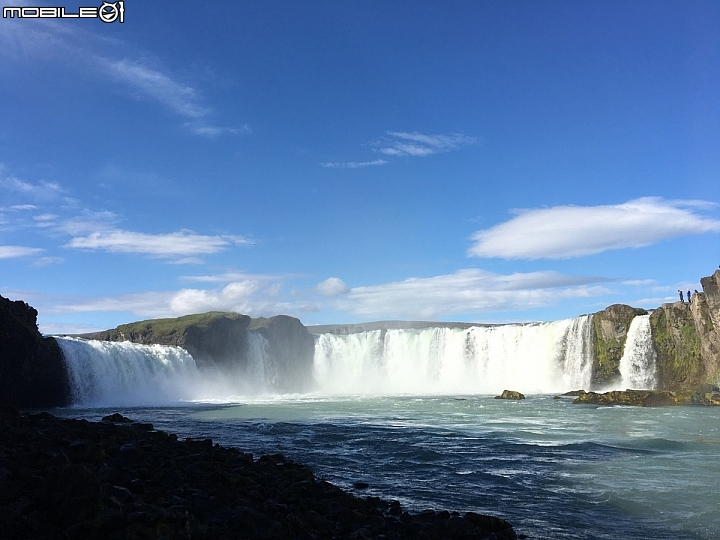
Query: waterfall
[(121, 373), (533, 358), (637, 365)]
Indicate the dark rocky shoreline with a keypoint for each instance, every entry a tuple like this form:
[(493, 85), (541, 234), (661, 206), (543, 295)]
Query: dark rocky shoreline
[(117, 479)]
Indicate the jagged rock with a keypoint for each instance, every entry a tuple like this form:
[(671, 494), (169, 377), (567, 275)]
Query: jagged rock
[(510, 394), (652, 398), (32, 370), (610, 328)]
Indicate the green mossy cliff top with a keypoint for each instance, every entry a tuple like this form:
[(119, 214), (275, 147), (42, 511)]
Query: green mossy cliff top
[(171, 331)]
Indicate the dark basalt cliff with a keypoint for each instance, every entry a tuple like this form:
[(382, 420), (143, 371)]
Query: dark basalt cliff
[(290, 351), (32, 370)]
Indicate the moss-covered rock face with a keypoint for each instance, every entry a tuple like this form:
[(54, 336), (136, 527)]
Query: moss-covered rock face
[(653, 398), (32, 370), (610, 328), (678, 347)]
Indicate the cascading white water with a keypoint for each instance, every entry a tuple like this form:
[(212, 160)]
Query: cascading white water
[(122, 373), (103, 373), (533, 358), (638, 362)]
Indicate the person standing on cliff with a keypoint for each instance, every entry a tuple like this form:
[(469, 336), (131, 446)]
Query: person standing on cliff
[(688, 295), (681, 296)]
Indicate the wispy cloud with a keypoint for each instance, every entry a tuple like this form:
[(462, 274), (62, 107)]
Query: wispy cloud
[(14, 252), (41, 191), (395, 144), (466, 291), (575, 231), (401, 143), (44, 40), (182, 245), (352, 164)]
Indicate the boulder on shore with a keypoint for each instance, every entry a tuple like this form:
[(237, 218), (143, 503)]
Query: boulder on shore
[(510, 394)]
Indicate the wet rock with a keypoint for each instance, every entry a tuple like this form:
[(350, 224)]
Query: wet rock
[(651, 398), (510, 394)]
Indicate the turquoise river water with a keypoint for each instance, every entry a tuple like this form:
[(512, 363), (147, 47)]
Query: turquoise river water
[(554, 469)]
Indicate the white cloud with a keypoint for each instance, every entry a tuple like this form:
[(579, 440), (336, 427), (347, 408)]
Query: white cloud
[(259, 296), (179, 97), (14, 252), (39, 40), (332, 287), (23, 207), (41, 191), (466, 291), (181, 244), (88, 222), (400, 143), (353, 164), (47, 261), (574, 231)]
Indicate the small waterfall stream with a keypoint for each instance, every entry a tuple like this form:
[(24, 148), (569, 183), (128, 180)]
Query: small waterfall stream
[(638, 362)]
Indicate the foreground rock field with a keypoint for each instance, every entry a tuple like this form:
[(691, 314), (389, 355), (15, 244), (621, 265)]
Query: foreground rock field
[(116, 479)]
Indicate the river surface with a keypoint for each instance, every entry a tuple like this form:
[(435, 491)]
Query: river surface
[(553, 469)]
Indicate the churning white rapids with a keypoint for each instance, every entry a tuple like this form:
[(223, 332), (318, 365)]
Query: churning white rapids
[(411, 413)]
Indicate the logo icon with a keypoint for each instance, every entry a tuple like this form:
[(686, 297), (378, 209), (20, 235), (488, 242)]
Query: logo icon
[(109, 12)]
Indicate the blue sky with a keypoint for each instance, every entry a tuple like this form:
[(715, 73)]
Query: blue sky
[(350, 161)]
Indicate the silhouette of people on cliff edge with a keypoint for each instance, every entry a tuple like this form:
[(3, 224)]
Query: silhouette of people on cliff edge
[(681, 295)]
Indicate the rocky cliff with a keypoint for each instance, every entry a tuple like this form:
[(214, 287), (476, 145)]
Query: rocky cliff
[(686, 339), (32, 371), (215, 339), (610, 328), (290, 353), (219, 340)]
